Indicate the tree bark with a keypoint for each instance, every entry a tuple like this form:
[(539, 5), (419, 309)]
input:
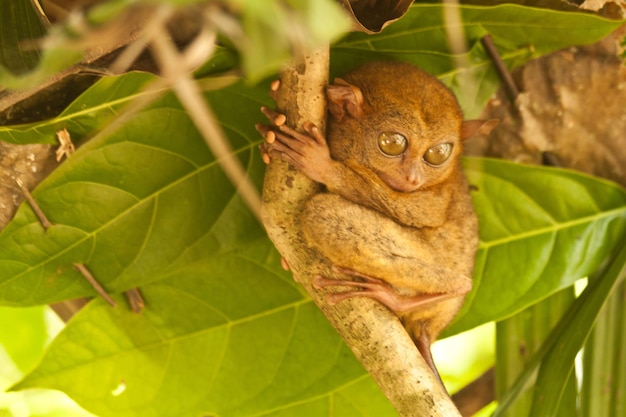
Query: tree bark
[(374, 333)]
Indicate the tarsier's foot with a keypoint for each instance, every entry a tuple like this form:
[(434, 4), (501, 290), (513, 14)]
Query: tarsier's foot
[(376, 289)]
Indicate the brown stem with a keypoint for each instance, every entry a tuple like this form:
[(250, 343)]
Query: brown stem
[(33, 204), (374, 334), (135, 300), (94, 283), (476, 395), (509, 84)]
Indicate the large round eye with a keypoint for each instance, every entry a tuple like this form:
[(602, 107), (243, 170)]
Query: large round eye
[(438, 154), (391, 143)]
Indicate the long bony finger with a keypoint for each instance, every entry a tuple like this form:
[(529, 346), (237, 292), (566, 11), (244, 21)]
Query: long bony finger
[(274, 87), (265, 154), (276, 118), (315, 132), (266, 132)]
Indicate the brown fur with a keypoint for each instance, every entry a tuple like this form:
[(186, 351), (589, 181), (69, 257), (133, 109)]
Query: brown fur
[(420, 236)]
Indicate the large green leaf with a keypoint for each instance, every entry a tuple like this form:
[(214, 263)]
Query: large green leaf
[(99, 104), (232, 336), (237, 326), (22, 337), (520, 33), (133, 204), (89, 113), (541, 229)]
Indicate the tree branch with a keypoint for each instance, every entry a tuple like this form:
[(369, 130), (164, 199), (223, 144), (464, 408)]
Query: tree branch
[(374, 333)]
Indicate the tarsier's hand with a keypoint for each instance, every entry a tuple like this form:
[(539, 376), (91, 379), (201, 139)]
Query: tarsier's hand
[(309, 153)]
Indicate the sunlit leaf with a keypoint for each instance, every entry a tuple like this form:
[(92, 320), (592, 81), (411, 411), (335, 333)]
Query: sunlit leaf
[(232, 335), (133, 204), (23, 335), (39, 403)]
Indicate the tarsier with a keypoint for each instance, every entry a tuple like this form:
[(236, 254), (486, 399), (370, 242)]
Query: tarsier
[(395, 216)]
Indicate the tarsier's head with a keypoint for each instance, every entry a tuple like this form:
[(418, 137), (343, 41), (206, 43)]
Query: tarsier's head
[(400, 122)]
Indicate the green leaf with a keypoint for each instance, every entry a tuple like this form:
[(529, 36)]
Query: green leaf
[(95, 108), (520, 336), (39, 403), (133, 204), (275, 29), (556, 356), (231, 335), (541, 229), (604, 364), (23, 335), (90, 112), (520, 33), (19, 22), (23, 62)]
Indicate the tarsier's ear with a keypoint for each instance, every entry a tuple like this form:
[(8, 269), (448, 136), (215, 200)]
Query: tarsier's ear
[(345, 98), (477, 127)]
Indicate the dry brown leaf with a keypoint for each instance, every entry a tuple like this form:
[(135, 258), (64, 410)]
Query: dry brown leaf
[(572, 106), (371, 16)]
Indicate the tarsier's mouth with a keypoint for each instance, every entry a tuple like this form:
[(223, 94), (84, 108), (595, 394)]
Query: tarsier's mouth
[(401, 185)]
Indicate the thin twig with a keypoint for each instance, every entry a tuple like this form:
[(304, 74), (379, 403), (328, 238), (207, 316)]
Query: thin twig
[(33, 204), (154, 22), (135, 300), (190, 96), (509, 84), (550, 159), (94, 283), (457, 42)]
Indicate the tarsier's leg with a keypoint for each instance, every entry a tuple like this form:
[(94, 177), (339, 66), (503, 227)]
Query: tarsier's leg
[(398, 266), (377, 289), (423, 345)]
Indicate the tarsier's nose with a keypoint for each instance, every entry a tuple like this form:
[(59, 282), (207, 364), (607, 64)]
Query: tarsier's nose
[(414, 178)]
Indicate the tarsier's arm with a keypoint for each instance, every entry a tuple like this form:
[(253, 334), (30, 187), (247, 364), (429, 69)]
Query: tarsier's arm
[(310, 154), (362, 186)]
